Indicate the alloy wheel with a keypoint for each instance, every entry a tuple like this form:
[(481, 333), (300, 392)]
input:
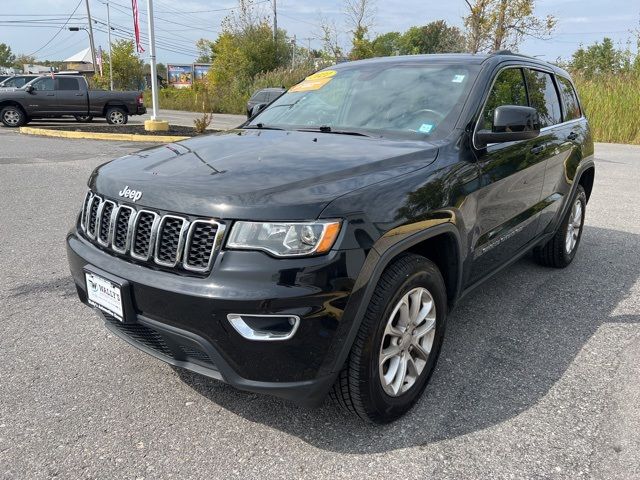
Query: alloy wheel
[(407, 341), (116, 117), (11, 117), (573, 227)]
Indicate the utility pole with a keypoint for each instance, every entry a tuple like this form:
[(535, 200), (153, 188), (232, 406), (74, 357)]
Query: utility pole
[(110, 57), (293, 52), (93, 47), (275, 22)]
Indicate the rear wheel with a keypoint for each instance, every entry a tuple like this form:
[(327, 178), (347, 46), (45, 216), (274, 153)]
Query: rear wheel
[(12, 116), (397, 346), (560, 250), (116, 116), (83, 118)]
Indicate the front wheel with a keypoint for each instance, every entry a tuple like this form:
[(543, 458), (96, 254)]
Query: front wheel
[(12, 116), (397, 346), (116, 116)]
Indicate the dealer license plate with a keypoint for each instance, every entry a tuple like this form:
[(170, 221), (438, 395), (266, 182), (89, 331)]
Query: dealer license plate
[(105, 295)]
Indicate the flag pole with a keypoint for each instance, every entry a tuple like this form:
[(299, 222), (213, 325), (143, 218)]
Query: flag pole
[(154, 123)]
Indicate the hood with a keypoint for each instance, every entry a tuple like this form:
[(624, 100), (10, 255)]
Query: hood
[(258, 174)]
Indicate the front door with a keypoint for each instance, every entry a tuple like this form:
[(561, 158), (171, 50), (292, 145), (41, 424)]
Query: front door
[(512, 177), (43, 96)]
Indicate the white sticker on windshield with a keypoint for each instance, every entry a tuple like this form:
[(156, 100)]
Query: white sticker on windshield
[(425, 128), (458, 78)]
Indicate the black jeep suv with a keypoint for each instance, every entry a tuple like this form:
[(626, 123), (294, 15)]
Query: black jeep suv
[(319, 247)]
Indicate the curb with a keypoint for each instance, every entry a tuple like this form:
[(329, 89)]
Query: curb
[(123, 137)]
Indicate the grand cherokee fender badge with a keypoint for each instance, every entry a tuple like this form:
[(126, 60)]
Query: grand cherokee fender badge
[(134, 195)]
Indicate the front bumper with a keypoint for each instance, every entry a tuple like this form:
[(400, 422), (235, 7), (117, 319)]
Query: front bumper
[(183, 319)]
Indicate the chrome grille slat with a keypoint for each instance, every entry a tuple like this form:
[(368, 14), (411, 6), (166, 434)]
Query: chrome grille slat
[(170, 241), (145, 229), (92, 216), (202, 243), (105, 220)]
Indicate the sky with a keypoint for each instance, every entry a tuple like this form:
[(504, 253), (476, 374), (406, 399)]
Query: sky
[(38, 26)]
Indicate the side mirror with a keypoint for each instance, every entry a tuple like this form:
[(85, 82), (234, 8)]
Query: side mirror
[(511, 123), (257, 109), (29, 88)]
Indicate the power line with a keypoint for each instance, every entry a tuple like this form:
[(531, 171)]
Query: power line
[(58, 32)]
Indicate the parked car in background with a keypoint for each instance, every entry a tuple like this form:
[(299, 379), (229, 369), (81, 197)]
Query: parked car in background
[(17, 81), (262, 98), (67, 95)]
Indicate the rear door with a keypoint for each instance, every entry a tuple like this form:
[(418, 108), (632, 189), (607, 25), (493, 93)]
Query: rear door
[(512, 177), (72, 99), (42, 99), (568, 137)]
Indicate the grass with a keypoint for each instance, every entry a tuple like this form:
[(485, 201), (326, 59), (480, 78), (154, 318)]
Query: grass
[(611, 103)]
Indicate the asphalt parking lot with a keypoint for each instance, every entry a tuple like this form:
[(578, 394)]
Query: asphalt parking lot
[(539, 376)]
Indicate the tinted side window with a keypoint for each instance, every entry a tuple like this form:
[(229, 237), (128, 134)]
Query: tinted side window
[(259, 97), (508, 89), (543, 97), (68, 84), (44, 84), (569, 99)]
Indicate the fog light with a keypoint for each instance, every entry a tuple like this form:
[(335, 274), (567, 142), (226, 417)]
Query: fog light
[(264, 328)]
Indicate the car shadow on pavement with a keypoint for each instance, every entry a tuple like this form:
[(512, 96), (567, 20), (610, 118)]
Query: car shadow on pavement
[(507, 344)]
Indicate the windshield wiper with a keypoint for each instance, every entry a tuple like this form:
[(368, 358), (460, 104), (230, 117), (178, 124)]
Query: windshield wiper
[(262, 126), (328, 129)]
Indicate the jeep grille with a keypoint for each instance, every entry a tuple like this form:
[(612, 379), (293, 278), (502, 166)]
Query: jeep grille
[(166, 240)]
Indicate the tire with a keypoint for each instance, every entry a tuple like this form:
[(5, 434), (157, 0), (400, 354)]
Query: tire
[(83, 118), (560, 250), (360, 387), (12, 116), (116, 116)]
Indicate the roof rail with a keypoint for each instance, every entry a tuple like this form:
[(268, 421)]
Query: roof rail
[(503, 52)]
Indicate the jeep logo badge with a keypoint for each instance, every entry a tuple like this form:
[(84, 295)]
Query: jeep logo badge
[(134, 195)]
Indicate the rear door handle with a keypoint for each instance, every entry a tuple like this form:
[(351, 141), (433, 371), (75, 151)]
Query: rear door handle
[(572, 136), (51, 94), (79, 94), (537, 149)]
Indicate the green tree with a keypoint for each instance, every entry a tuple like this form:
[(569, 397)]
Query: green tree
[(360, 16), (205, 50), (600, 59), (435, 37), (502, 24), (128, 68), (6, 56), (387, 44), (21, 60)]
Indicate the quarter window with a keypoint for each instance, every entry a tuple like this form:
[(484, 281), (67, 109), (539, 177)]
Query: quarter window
[(543, 97), (569, 99), (508, 89)]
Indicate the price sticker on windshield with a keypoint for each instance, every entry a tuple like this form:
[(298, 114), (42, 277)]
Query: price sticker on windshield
[(314, 82)]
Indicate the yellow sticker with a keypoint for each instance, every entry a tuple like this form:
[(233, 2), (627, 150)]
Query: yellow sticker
[(322, 74), (309, 85)]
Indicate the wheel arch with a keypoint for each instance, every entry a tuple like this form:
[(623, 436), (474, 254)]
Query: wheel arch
[(109, 105), (586, 179), (12, 103), (435, 243)]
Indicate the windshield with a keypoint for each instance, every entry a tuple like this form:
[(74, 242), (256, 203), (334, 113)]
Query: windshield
[(416, 100)]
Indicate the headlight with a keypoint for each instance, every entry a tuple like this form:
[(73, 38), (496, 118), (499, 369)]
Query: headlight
[(288, 239)]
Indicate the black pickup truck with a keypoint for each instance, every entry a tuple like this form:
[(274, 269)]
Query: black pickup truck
[(46, 97)]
